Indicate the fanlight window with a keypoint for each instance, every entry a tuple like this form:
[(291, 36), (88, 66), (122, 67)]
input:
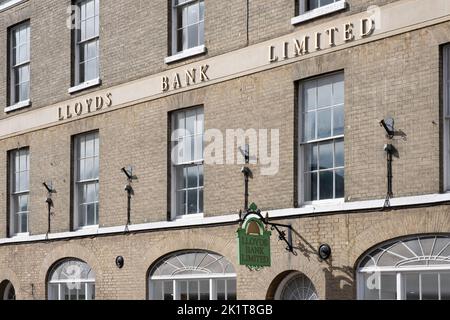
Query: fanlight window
[(425, 251), (407, 269), (72, 280), (296, 286), (193, 275)]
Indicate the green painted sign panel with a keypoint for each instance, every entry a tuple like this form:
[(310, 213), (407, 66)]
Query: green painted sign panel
[(254, 244)]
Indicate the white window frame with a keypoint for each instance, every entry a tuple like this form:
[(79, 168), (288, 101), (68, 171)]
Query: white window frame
[(18, 104), (177, 280), (177, 54), (77, 183), (197, 162), (306, 15), (302, 145), (446, 116), (79, 85), (15, 194)]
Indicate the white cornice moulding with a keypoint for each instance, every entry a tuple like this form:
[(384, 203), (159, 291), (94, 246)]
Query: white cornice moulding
[(337, 208)]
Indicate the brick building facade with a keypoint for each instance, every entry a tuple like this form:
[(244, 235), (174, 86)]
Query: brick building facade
[(255, 65)]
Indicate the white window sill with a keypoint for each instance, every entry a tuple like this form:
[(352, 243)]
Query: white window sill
[(185, 54), (20, 236), (85, 85), (10, 4), (19, 105), (322, 11), (189, 217), (428, 199), (323, 203), (88, 228)]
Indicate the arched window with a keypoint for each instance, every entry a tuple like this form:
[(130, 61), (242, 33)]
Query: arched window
[(296, 286), (7, 291), (71, 280), (192, 275), (414, 268)]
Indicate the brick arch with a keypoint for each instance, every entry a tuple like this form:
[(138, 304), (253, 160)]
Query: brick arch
[(67, 251), (9, 275), (224, 246), (267, 279)]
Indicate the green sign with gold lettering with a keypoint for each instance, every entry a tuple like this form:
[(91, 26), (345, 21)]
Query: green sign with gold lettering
[(254, 244)]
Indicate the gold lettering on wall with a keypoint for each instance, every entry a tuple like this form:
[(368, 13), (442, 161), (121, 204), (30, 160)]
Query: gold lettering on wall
[(190, 78), (333, 36), (85, 107)]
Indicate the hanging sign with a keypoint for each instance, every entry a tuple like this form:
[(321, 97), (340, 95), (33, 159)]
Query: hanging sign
[(254, 244)]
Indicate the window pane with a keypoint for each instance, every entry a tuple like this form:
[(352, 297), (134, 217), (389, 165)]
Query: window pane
[(201, 33), (324, 92), (326, 155), (311, 151), (181, 202), (168, 290), (90, 28), (371, 286), (90, 291), (430, 286), (91, 70), (23, 222), (388, 286), (338, 90), (183, 290), (202, 10), (310, 95), (192, 177), (91, 50), (193, 36), (192, 202), (91, 216), (198, 147), (193, 14), (325, 2), (338, 121), (220, 289), (309, 127), (53, 292), (445, 286), (313, 4), (200, 200), (193, 290), (200, 178), (411, 286), (204, 289), (339, 153), (231, 289), (24, 91), (324, 123), (23, 203), (340, 186), (310, 186), (180, 178), (326, 185), (191, 118), (157, 290)]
